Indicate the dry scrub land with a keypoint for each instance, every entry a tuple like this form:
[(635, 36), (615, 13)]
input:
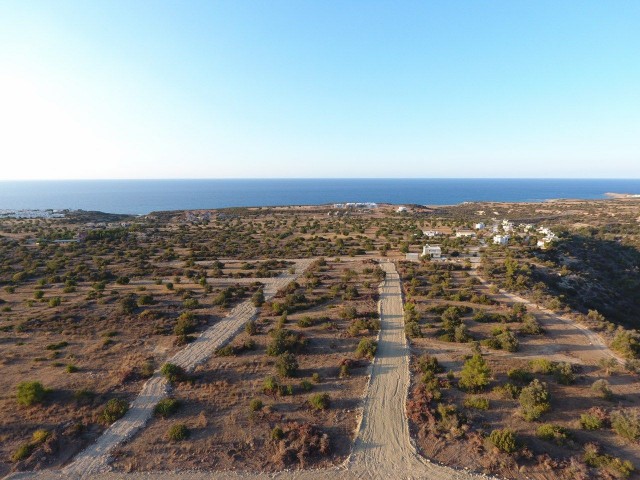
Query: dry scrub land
[(452, 417), (244, 410), (91, 320)]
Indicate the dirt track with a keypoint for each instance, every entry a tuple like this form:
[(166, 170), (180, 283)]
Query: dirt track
[(383, 448), (565, 335)]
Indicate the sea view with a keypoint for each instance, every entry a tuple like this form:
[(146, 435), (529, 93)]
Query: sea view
[(144, 196)]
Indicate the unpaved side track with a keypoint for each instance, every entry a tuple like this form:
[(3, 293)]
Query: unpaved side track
[(383, 448), (593, 350)]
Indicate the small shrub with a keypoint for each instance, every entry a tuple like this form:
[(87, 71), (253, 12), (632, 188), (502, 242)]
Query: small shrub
[(40, 436), (320, 401), (30, 393), (534, 400), (316, 377), (251, 327), (305, 322), (626, 423), (612, 465), (166, 407), (114, 409), (564, 374), (54, 302), (504, 440), (226, 351), (553, 433), (71, 368), (366, 348), (306, 385), (287, 365), (255, 404), (602, 389), (594, 419), (178, 432), (270, 386), (23, 451), (475, 375), (542, 365), (57, 346), (478, 403), (173, 372), (520, 375), (277, 434), (412, 330)]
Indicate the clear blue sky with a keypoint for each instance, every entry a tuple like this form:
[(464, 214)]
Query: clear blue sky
[(186, 89)]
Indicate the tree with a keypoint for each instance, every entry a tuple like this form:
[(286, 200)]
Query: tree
[(476, 374)]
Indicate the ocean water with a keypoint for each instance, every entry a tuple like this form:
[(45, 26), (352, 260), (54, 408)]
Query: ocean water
[(144, 196)]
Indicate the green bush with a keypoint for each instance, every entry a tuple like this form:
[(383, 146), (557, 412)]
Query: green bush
[(191, 303), (553, 433), (534, 400), (475, 375), (602, 389), (251, 328), (40, 436), (287, 365), (71, 368), (366, 348), (412, 330), (520, 375), (320, 401), (186, 324), (178, 432), (284, 341), (23, 451), (594, 419), (316, 377), (612, 465), (173, 372), (270, 386), (429, 363), (478, 403), (508, 390), (564, 374), (306, 385), (114, 409), (255, 404), (277, 434), (54, 302), (626, 423), (30, 393), (166, 407), (542, 365), (504, 440)]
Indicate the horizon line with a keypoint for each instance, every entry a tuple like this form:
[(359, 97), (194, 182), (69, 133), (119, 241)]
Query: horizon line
[(304, 178)]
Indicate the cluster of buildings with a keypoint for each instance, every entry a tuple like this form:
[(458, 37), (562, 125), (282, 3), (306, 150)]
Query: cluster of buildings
[(356, 205), (8, 213)]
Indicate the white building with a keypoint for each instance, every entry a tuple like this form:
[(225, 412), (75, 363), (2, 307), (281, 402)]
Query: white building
[(412, 257), (401, 209), (431, 233), (465, 233), (501, 239), (433, 251), (480, 226)]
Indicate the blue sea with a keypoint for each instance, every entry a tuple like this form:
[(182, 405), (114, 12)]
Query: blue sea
[(144, 196)]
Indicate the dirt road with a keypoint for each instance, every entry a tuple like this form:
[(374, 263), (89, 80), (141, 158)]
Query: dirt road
[(382, 450), (565, 333)]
